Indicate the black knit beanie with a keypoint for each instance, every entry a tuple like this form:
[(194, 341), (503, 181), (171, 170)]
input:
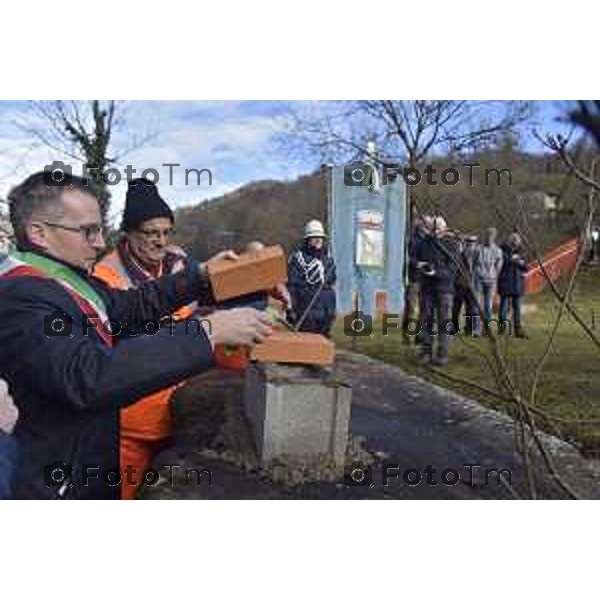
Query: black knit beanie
[(142, 203)]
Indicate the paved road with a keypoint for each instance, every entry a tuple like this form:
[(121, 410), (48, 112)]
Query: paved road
[(405, 421), (421, 424)]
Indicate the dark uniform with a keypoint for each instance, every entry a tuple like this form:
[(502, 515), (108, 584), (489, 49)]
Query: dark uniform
[(311, 272)]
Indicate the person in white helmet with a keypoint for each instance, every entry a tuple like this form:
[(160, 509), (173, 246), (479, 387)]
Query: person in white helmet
[(311, 280), (438, 264)]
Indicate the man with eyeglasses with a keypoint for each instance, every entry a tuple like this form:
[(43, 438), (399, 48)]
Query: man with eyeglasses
[(144, 253), (69, 368)]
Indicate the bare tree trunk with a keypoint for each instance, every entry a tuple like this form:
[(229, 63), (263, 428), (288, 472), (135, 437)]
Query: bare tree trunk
[(84, 132)]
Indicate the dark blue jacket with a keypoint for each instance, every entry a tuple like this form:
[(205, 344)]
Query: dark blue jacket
[(413, 252), (69, 389), (257, 300), (443, 256), (8, 457), (322, 313), (511, 280)]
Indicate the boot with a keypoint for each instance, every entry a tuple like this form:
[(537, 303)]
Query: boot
[(424, 359), (440, 361), (520, 332)]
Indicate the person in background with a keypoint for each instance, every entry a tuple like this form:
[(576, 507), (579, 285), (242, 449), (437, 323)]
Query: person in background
[(412, 296), (465, 292), (8, 446), (311, 280), (437, 260), (488, 264), (511, 283)]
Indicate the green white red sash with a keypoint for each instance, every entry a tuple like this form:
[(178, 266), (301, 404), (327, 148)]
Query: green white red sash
[(30, 264)]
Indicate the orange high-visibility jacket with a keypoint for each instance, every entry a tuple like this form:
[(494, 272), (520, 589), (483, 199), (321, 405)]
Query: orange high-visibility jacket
[(150, 417)]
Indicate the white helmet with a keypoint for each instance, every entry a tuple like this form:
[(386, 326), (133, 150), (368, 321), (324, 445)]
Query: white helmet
[(314, 228), (439, 224)]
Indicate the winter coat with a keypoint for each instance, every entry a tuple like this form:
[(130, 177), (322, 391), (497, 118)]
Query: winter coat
[(69, 388), (307, 269), (488, 263), (150, 417), (8, 457), (443, 257), (465, 275), (511, 281), (413, 249)]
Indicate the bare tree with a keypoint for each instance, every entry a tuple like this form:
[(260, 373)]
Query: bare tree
[(406, 131), (523, 400), (83, 131), (417, 134)]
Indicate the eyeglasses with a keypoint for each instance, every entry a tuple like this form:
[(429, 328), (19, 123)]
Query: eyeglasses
[(156, 234), (91, 232)]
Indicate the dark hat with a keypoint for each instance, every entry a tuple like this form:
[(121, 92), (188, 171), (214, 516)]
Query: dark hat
[(142, 203)]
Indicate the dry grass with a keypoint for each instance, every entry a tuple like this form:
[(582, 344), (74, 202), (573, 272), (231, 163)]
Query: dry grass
[(569, 388)]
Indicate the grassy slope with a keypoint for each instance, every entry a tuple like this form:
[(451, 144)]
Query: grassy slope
[(569, 387)]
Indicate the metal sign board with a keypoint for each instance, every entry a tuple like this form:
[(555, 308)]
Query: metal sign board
[(367, 226)]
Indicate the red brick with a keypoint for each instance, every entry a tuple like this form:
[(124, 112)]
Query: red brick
[(292, 347), (251, 272)]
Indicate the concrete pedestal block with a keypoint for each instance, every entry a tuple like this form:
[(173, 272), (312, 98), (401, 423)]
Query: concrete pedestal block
[(298, 414)]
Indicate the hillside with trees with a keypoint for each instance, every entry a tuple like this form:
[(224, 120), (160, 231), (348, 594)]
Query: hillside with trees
[(276, 211)]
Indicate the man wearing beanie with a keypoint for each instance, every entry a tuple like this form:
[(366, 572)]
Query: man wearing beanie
[(144, 253)]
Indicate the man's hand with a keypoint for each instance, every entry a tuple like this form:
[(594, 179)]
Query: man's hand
[(8, 411), (238, 326), (223, 255)]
